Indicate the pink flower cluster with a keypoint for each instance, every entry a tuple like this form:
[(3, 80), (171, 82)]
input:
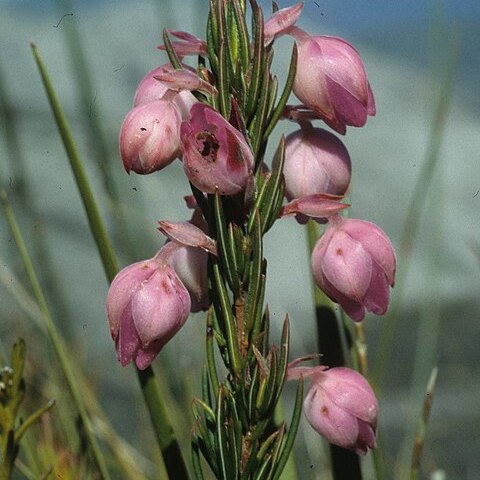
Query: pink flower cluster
[(353, 262)]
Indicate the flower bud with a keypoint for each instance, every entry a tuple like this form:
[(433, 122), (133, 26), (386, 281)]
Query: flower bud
[(188, 234), (341, 406), (215, 154), (281, 22), (146, 305), (149, 137), (354, 264), (331, 80), (319, 205), (190, 45), (316, 161)]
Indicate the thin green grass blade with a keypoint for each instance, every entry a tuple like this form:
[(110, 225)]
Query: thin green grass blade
[(96, 225), (422, 425)]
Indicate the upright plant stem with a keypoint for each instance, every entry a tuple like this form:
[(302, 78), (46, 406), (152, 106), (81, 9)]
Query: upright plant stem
[(331, 342), (55, 338), (160, 422)]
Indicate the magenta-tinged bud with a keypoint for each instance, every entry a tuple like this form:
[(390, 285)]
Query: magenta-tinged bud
[(215, 154), (354, 264), (341, 406), (190, 45), (150, 89), (331, 80), (319, 205), (184, 79), (281, 22), (150, 137), (316, 161), (188, 234), (146, 305)]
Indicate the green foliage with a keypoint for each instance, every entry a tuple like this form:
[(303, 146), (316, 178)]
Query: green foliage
[(12, 394)]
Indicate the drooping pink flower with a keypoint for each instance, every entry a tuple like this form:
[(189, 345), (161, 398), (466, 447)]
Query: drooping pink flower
[(354, 264), (215, 154), (316, 161), (146, 306), (150, 137), (331, 80), (340, 405)]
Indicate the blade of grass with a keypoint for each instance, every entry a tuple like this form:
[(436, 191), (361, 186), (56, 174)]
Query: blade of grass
[(163, 430), (422, 425), (99, 232), (55, 338), (94, 128)]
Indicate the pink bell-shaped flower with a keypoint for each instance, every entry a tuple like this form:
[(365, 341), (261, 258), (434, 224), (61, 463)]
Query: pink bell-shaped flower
[(316, 161), (216, 156), (146, 306), (331, 80), (150, 137), (354, 264), (341, 406)]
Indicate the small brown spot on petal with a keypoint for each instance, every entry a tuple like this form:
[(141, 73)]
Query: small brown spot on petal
[(339, 251), (324, 410)]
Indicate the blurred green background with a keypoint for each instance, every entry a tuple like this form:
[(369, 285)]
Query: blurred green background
[(416, 173)]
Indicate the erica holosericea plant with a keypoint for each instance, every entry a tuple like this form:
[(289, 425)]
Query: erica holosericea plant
[(217, 118)]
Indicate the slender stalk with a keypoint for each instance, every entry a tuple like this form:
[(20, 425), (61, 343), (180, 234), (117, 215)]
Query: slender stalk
[(160, 422), (102, 240), (345, 464), (55, 338), (172, 456), (422, 425)]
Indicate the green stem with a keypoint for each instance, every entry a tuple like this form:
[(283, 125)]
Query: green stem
[(158, 414), (172, 456), (55, 338), (98, 229)]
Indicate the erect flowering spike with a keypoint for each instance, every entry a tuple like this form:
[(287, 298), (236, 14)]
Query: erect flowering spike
[(215, 154), (331, 80), (281, 22), (354, 264), (146, 305), (316, 161), (149, 137)]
